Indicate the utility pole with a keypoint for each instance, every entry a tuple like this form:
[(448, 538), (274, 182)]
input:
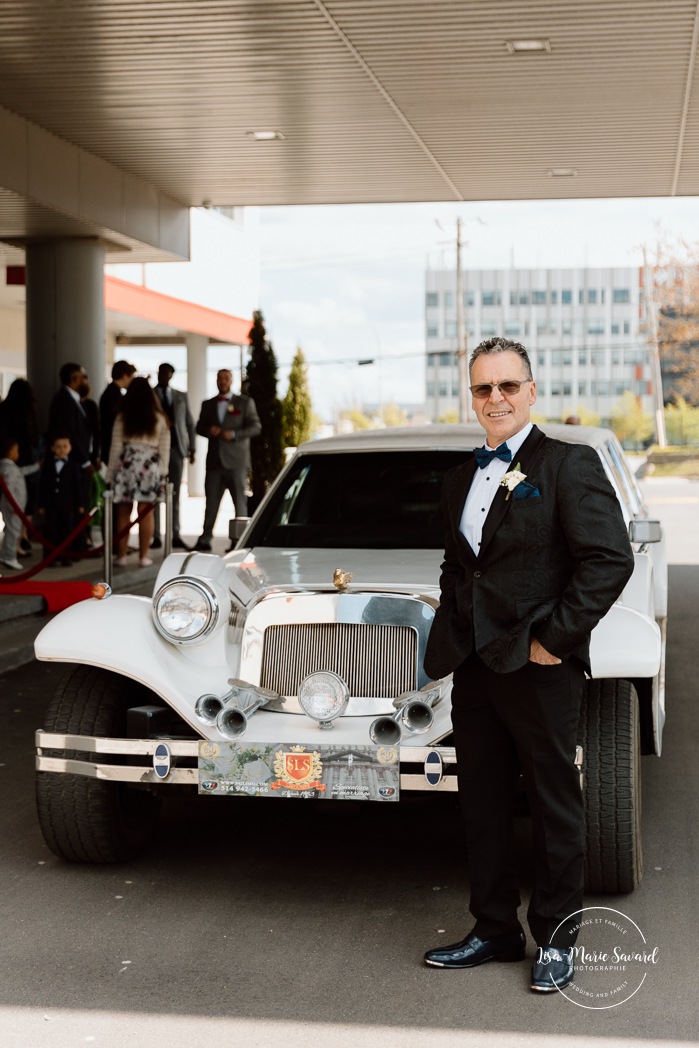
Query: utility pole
[(461, 344), (656, 379)]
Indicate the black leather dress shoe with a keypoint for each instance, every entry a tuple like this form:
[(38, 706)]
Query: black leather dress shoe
[(472, 951), (553, 969), (179, 543), (202, 546), (157, 542)]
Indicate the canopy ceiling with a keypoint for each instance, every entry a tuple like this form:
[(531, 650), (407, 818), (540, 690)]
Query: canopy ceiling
[(377, 100)]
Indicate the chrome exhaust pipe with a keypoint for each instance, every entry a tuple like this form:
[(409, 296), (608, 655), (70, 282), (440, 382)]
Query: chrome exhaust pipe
[(232, 721), (413, 716)]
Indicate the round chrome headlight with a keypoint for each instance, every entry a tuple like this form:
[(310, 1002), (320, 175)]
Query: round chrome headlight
[(323, 696), (185, 609)]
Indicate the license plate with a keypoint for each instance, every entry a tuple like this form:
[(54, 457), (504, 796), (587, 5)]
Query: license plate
[(325, 772)]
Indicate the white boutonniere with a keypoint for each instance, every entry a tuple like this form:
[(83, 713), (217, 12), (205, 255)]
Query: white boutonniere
[(512, 479)]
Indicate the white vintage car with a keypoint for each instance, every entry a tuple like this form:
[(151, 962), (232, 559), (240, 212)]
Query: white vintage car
[(292, 667)]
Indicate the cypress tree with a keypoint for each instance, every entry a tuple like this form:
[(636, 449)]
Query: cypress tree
[(260, 383), (296, 406)]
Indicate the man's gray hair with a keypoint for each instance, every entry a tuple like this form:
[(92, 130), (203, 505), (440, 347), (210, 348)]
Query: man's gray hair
[(501, 345)]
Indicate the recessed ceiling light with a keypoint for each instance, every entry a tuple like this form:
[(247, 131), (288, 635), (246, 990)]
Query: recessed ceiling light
[(562, 172), (265, 136), (523, 46)]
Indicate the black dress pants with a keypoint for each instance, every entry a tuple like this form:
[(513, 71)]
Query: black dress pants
[(504, 724)]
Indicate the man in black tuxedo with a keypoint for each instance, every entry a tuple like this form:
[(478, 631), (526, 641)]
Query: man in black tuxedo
[(536, 552), (229, 422), (110, 401), (183, 439), (67, 415)]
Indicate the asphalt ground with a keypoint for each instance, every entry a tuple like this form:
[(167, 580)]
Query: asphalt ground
[(255, 922)]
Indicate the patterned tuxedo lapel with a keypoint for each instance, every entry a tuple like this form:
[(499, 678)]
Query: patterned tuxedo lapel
[(462, 488), (501, 504)]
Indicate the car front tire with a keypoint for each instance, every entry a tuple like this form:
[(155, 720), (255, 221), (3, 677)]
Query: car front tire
[(84, 819)]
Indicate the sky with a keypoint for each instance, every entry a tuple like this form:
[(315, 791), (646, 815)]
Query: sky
[(346, 283)]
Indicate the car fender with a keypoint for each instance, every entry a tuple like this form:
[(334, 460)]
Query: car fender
[(118, 634), (625, 643)]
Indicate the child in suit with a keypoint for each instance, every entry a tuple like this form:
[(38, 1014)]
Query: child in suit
[(12, 475), (61, 498)]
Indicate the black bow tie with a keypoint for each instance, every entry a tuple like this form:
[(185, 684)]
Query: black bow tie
[(485, 457)]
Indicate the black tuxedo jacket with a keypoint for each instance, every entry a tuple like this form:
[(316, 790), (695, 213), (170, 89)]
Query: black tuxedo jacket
[(549, 566), (63, 493), (68, 417)]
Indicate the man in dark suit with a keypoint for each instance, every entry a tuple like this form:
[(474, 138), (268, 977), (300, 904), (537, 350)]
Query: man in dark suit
[(67, 415), (229, 421), (122, 373), (175, 404), (536, 552)]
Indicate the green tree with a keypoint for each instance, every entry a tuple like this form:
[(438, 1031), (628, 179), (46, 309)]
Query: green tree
[(682, 422), (260, 383), (630, 422), (297, 410), (451, 416), (357, 419), (392, 415)]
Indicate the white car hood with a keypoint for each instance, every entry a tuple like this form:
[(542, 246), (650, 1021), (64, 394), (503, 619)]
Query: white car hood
[(253, 571)]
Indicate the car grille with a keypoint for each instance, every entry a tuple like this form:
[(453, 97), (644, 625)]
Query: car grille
[(374, 660)]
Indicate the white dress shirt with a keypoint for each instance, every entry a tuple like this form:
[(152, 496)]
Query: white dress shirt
[(484, 488)]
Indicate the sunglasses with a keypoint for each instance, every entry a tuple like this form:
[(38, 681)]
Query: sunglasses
[(482, 390)]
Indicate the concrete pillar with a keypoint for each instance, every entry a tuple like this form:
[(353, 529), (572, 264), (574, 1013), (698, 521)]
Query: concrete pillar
[(197, 345), (65, 314)]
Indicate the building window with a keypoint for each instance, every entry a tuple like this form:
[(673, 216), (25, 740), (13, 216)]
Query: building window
[(487, 330), (541, 389), (582, 356), (566, 297), (524, 298), (455, 389), (627, 328), (619, 389), (554, 298), (432, 298), (556, 357), (595, 327), (567, 389), (616, 356), (555, 389), (491, 298), (541, 360), (567, 327), (469, 299), (567, 357), (433, 330), (445, 359), (541, 327), (443, 389), (603, 389), (553, 328), (513, 330), (448, 299), (513, 298), (450, 328), (615, 327), (634, 356), (582, 389), (432, 360), (430, 389), (592, 296), (538, 298), (578, 326), (581, 296), (621, 296)]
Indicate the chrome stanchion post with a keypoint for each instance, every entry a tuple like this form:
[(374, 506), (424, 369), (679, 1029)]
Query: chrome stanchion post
[(167, 538), (108, 532)]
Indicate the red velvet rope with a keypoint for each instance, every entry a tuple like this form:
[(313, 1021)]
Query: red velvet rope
[(57, 551)]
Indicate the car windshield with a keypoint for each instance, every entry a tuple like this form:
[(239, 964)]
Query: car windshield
[(359, 500)]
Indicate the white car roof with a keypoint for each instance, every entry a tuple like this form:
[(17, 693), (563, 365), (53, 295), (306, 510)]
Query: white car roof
[(442, 436)]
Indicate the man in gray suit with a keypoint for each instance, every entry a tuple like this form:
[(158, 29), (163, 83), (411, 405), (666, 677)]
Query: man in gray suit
[(182, 445), (228, 421)]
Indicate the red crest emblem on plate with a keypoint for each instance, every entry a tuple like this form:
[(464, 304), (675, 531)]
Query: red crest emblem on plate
[(298, 766)]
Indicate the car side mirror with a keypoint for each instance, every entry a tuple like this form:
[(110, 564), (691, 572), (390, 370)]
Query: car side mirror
[(645, 531), (236, 527)]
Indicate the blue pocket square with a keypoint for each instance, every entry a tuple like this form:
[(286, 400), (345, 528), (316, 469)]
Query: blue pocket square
[(525, 491)]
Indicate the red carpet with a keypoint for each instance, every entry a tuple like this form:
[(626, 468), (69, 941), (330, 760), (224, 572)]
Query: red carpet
[(58, 595)]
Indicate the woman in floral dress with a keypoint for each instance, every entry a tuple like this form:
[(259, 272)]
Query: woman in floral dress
[(138, 458)]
